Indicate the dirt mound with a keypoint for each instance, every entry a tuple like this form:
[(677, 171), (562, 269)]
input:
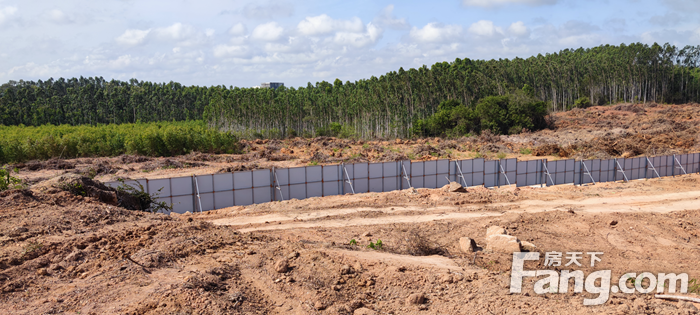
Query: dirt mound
[(53, 164), (169, 164), (127, 159)]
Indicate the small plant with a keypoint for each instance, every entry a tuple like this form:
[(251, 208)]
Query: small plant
[(74, 188), (365, 146), (143, 200), (694, 286), (501, 155), (353, 242), (525, 151), (32, 247), (313, 163), (9, 182), (376, 246)]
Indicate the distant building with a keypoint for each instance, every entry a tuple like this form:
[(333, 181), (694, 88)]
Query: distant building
[(271, 85)]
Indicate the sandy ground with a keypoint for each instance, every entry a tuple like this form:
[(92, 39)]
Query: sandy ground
[(68, 254)]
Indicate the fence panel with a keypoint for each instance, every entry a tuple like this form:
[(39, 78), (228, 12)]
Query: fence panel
[(390, 176), (331, 180), (223, 190), (490, 173)]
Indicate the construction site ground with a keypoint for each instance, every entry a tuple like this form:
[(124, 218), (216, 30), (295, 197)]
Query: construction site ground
[(62, 253)]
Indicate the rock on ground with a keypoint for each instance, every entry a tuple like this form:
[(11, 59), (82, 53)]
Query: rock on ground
[(467, 245), (502, 243)]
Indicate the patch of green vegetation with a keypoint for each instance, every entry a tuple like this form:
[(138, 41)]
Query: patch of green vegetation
[(508, 114), (143, 201), (312, 163), (32, 247), (353, 242), (376, 246), (22, 143), (525, 151), (9, 182), (501, 155), (694, 286)]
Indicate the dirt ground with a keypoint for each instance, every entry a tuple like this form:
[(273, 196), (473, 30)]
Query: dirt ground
[(67, 254), (623, 130), (62, 253)]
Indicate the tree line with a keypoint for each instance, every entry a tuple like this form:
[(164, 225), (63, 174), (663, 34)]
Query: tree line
[(387, 106)]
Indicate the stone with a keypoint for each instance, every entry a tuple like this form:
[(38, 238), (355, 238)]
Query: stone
[(467, 245), (447, 279), (415, 299), (367, 234), (495, 230), (293, 255), (346, 270), (613, 223), (364, 311), (455, 187), (503, 244), (319, 305), (282, 266), (42, 272), (527, 246)]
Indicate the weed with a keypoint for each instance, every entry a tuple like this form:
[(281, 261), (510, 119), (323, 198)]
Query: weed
[(32, 247), (9, 182), (411, 156), (365, 146), (74, 188), (694, 286), (525, 151), (376, 246), (313, 163), (353, 242), (143, 200), (478, 155), (501, 155)]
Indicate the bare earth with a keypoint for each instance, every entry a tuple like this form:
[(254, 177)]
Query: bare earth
[(78, 255), (67, 254)]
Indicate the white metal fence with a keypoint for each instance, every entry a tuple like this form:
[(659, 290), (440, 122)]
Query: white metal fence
[(217, 191)]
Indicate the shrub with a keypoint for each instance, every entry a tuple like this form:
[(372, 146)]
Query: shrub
[(9, 182)]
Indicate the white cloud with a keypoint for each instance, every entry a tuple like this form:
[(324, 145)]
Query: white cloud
[(221, 51), (133, 37), (518, 29), (486, 29), (237, 30), (498, 3), (267, 32), (177, 31), (387, 19), (7, 13), (359, 39), (324, 24), (435, 32)]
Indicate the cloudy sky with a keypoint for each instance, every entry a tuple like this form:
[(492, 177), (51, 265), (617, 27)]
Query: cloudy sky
[(243, 43)]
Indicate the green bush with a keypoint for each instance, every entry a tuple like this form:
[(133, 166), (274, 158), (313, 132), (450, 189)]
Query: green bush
[(20, 143), (9, 182), (506, 114)]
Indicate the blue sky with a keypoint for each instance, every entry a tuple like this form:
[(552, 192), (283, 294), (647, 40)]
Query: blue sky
[(243, 43)]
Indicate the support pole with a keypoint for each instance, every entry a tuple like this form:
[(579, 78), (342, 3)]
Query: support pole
[(347, 180), (461, 175), (652, 167), (277, 183), (544, 164), (405, 175), (621, 170), (199, 198), (588, 173), (679, 164)]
